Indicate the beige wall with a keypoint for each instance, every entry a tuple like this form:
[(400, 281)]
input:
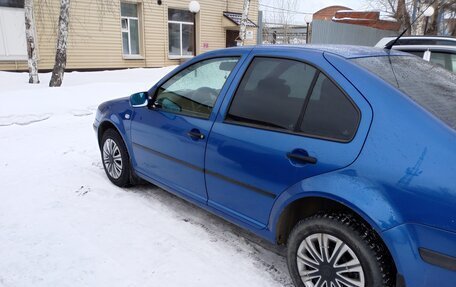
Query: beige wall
[(95, 41)]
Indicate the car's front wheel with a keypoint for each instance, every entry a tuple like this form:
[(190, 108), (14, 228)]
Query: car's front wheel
[(337, 250), (115, 158)]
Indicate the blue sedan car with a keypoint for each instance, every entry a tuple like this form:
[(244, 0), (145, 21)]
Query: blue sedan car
[(345, 154)]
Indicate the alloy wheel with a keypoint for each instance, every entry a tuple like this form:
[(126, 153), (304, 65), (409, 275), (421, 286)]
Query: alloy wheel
[(112, 158), (326, 261)]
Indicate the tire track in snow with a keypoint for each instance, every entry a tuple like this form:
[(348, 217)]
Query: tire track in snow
[(22, 120), (265, 256)]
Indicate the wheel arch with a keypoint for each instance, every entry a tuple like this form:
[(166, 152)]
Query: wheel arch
[(115, 125), (311, 205), (335, 192), (370, 200)]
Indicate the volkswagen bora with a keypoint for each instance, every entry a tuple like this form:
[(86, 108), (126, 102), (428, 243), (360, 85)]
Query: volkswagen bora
[(347, 155)]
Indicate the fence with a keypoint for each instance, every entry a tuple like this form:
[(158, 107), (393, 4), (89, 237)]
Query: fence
[(284, 34), (328, 32)]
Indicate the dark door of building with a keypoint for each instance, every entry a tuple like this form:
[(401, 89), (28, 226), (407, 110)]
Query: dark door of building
[(231, 36)]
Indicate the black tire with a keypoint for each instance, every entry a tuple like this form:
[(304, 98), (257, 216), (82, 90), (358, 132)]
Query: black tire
[(360, 238), (124, 180)]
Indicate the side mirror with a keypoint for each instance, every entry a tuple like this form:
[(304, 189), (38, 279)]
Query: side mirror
[(139, 100)]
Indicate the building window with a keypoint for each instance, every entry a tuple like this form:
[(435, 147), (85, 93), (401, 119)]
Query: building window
[(13, 46), (181, 32), (130, 28), (12, 3)]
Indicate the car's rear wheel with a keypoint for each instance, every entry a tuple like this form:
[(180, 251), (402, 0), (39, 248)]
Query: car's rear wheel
[(116, 161), (336, 250)]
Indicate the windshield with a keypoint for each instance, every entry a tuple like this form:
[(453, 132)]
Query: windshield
[(431, 86)]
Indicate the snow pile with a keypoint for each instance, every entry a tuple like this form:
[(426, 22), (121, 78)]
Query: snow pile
[(62, 223)]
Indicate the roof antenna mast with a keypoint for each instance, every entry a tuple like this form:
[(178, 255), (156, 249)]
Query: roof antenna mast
[(390, 45)]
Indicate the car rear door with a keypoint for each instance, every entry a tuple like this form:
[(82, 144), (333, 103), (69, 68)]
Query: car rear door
[(290, 115), (169, 136)]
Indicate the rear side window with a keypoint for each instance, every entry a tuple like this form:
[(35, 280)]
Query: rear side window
[(329, 113), (271, 94), (293, 97)]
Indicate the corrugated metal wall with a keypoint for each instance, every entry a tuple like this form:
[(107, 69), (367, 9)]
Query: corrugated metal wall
[(328, 32)]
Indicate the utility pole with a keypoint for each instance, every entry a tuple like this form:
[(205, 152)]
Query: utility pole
[(307, 32)]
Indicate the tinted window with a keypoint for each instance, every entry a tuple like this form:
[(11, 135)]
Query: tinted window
[(329, 113), (429, 85), (12, 3), (272, 93), (194, 90)]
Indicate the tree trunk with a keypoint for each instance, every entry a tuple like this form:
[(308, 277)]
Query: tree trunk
[(61, 50), (244, 19), (31, 43), (403, 17)]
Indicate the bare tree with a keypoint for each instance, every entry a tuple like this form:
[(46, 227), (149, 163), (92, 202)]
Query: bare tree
[(244, 20), (405, 11), (62, 41), (403, 17), (280, 21), (31, 42), (401, 10)]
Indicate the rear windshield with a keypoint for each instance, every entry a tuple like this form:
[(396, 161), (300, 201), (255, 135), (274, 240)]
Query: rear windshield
[(431, 86)]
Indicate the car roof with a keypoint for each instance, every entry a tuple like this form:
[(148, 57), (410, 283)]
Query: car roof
[(436, 48), (345, 51)]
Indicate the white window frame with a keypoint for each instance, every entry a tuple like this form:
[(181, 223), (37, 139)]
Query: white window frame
[(181, 56), (12, 27), (127, 30)]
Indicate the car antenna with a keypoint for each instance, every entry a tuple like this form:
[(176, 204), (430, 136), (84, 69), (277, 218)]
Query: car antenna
[(390, 45)]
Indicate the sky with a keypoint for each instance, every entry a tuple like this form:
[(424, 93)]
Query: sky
[(311, 6)]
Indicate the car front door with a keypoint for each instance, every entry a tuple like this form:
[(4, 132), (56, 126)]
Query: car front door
[(286, 121), (169, 137)]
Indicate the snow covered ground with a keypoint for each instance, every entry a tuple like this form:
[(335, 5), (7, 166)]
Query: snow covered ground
[(62, 223)]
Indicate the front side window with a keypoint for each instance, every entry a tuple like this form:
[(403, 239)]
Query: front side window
[(195, 90), (12, 3), (293, 96), (272, 93), (181, 27), (130, 28)]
